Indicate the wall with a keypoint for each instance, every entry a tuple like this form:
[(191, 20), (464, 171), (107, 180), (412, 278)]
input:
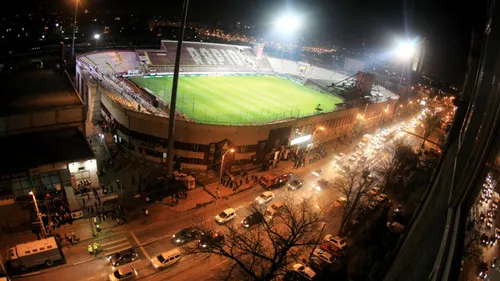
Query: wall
[(84, 170), (73, 116)]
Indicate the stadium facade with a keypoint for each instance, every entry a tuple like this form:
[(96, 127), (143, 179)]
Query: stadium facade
[(141, 118)]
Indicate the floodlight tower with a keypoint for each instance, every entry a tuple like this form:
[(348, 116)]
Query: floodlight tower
[(405, 50), (287, 24), (173, 98)]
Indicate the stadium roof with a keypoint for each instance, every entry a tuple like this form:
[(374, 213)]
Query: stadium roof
[(35, 90), (47, 147)]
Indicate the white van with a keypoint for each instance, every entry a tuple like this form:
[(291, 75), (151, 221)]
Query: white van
[(166, 259)]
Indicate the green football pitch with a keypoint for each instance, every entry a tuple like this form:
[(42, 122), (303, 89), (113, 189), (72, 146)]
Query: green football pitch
[(240, 100)]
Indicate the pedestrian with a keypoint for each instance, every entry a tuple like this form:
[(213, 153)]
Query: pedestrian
[(99, 200), (83, 200), (96, 205), (241, 182)]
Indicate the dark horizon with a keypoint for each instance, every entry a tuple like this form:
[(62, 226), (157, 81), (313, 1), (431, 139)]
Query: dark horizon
[(350, 24)]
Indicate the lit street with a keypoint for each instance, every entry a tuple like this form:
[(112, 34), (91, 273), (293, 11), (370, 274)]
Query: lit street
[(153, 234)]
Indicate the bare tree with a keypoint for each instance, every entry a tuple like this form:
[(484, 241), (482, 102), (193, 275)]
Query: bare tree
[(394, 162), (430, 123), (266, 251), (352, 184)]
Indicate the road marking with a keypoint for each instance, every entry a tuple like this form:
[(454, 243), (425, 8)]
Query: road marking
[(119, 245), (140, 247), (117, 250), (113, 242), (90, 278)]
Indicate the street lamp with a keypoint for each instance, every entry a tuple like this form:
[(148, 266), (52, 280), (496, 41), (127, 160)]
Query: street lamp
[(74, 32), (320, 128), (96, 37), (39, 215), (221, 169)]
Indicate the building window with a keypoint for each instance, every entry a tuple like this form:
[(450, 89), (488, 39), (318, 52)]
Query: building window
[(196, 147), (243, 148)]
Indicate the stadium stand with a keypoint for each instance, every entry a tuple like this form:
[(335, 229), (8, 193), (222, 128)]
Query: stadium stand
[(204, 57), (112, 62), (322, 77)]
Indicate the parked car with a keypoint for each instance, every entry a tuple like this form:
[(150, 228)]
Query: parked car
[(265, 197), (252, 220), (122, 257), (304, 270), (489, 223), (123, 273), (336, 240), (225, 216), (381, 197), (186, 235), (374, 191), (316, 263), (332, 249), (340, 201), (324, 255)]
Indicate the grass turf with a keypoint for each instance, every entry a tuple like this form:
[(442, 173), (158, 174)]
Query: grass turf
[(239, 99)]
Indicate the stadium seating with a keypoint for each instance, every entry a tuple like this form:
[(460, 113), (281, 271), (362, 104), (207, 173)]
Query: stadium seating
[(112, 62), (204, 57)]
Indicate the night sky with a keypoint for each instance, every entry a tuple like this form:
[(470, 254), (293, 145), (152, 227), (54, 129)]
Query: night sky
[(447, 24)]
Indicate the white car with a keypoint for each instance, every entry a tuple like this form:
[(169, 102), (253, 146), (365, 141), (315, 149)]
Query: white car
[(226, 215), (339, 156), (317, 173), (335, 240), (324, 255), (265, 197), (304, 270), (316, 186), (123, 273)]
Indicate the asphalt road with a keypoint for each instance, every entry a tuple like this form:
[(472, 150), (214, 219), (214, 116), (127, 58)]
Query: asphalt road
[(152, 235)]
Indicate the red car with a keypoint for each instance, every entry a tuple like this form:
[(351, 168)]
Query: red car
[(332, 249)]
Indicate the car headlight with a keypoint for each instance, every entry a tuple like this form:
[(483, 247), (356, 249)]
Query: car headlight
[(173, 236), (220, 220), (155, 266), (178, 240)]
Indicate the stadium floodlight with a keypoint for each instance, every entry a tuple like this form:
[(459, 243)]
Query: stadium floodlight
[(288, 23), (96, 37), (406, 49)]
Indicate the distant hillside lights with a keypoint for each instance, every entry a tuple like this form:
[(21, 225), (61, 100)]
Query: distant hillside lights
[(212, 56)]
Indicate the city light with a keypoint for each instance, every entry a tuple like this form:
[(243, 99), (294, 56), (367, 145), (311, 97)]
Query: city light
[(96, 36), (288, 23), (406, 49)]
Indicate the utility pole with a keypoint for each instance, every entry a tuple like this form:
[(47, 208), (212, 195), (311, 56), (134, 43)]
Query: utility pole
[(38, 214), (317, 241), (173, 98), (74, 32)]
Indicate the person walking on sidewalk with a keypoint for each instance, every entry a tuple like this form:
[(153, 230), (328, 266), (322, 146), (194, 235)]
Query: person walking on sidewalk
[(83, 201)]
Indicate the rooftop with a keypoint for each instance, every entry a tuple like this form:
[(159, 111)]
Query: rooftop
[(34, 90), (47, 147)]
